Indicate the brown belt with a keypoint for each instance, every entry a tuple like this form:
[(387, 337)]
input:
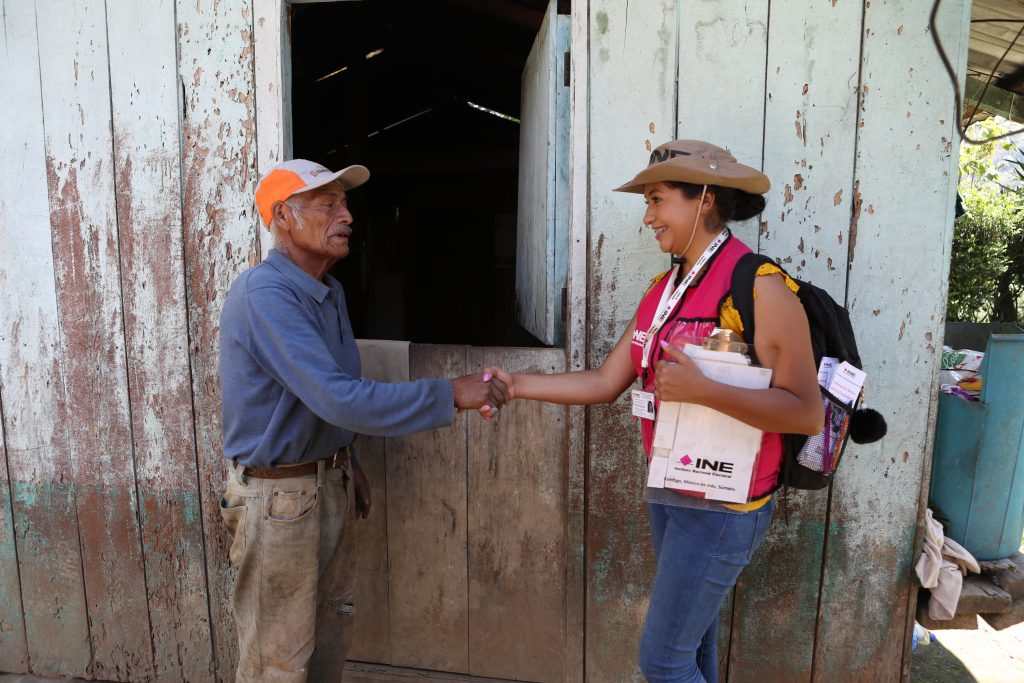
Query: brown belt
[(339, 459)]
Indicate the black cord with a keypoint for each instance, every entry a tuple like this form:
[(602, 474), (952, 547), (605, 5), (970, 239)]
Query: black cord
[(962, 130)]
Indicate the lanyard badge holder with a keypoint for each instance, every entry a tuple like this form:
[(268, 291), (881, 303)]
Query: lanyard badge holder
[(644, 404), (643, 400)]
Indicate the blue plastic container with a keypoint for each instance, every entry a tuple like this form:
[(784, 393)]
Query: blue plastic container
[(977, 485)]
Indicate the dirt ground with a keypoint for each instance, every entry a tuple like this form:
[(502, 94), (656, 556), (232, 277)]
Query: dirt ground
[(985, 655)]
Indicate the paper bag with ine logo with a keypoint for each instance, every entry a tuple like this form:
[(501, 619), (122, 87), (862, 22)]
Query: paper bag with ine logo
[(701, 451)]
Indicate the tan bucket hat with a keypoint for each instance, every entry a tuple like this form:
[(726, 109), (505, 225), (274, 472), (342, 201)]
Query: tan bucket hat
[(700, 163)]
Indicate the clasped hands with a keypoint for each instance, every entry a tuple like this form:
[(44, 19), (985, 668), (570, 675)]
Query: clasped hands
[(676, 378), (486, 392)]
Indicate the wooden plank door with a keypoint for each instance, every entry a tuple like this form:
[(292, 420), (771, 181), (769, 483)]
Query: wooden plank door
[(463, 559), (427, 539), (543, 214), (516, 472)]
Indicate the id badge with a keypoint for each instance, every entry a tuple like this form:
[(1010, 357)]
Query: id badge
[(643, 404)]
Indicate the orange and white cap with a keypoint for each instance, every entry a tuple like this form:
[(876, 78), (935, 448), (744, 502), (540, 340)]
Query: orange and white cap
[(297, 176)]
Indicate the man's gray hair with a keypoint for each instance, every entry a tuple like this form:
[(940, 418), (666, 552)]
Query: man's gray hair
[(296, 201)]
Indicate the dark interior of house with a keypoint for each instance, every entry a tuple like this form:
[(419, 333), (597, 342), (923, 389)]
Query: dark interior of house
[(426, 94)]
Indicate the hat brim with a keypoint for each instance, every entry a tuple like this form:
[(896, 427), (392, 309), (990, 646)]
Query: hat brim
[(351, 177), (681, 169)]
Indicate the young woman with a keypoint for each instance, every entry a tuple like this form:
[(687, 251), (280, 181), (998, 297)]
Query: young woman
[(692, 190)]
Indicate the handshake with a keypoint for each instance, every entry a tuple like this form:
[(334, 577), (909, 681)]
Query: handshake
[(487, 392)]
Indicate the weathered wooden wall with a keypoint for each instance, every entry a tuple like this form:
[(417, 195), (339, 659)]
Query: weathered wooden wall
[(126, 211), (130, 146), (845, 106)]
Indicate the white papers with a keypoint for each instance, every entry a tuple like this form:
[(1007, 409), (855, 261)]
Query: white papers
[(826, 370), (657, 470), (665, 427), (846, 383), (699, 354), (699, 449)]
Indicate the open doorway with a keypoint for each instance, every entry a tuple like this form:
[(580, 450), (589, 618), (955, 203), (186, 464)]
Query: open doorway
[(427, 95)]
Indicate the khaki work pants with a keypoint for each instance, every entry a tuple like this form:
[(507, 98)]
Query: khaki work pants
[(293, 542)]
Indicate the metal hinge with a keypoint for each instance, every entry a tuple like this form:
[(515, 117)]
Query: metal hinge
[(565, 69)]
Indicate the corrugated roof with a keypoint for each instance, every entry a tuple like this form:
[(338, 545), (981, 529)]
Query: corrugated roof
[(996, 50), (994, 25)]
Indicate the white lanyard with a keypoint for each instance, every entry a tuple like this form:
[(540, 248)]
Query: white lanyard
[(665, 307)]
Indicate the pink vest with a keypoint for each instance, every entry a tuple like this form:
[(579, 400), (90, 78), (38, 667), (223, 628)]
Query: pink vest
[(695, 317)]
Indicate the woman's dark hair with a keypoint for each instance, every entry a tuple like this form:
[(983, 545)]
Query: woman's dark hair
[(732, 204)]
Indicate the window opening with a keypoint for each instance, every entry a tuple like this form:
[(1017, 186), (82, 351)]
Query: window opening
[(427, 96)]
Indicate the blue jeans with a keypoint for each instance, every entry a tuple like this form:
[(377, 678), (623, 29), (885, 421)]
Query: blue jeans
[(700, 555)]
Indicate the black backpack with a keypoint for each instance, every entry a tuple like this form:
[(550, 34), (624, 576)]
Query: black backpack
[(831, 335)]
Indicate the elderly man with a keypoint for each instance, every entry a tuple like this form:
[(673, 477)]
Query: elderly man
[(293, 401)]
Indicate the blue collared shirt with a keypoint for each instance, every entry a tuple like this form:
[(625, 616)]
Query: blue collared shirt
[(290, 373)]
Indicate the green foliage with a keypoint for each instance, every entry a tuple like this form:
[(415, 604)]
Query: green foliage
[(986, 278), (980, 252), (977, 162)]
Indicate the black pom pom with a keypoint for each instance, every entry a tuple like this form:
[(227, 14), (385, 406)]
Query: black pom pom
[(867, 426)]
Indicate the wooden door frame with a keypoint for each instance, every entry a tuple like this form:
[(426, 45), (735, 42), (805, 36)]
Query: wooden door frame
[(576, 325), (272, 55)]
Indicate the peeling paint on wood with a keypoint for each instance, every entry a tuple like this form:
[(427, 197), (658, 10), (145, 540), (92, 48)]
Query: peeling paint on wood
[(902, 258), (219, 157), (855, 221), (826, 161), (32, 378), (576, 348), (19, 177), (795, 540), (724, 43), (624, 257), (780, 587), (273, 86), (625, 260), (743, 31), (53, 591), (144, 99), (13, 646), (543, 208), (79, 167)]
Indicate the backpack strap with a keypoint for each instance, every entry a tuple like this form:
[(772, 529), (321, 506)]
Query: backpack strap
[(741, 288)]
